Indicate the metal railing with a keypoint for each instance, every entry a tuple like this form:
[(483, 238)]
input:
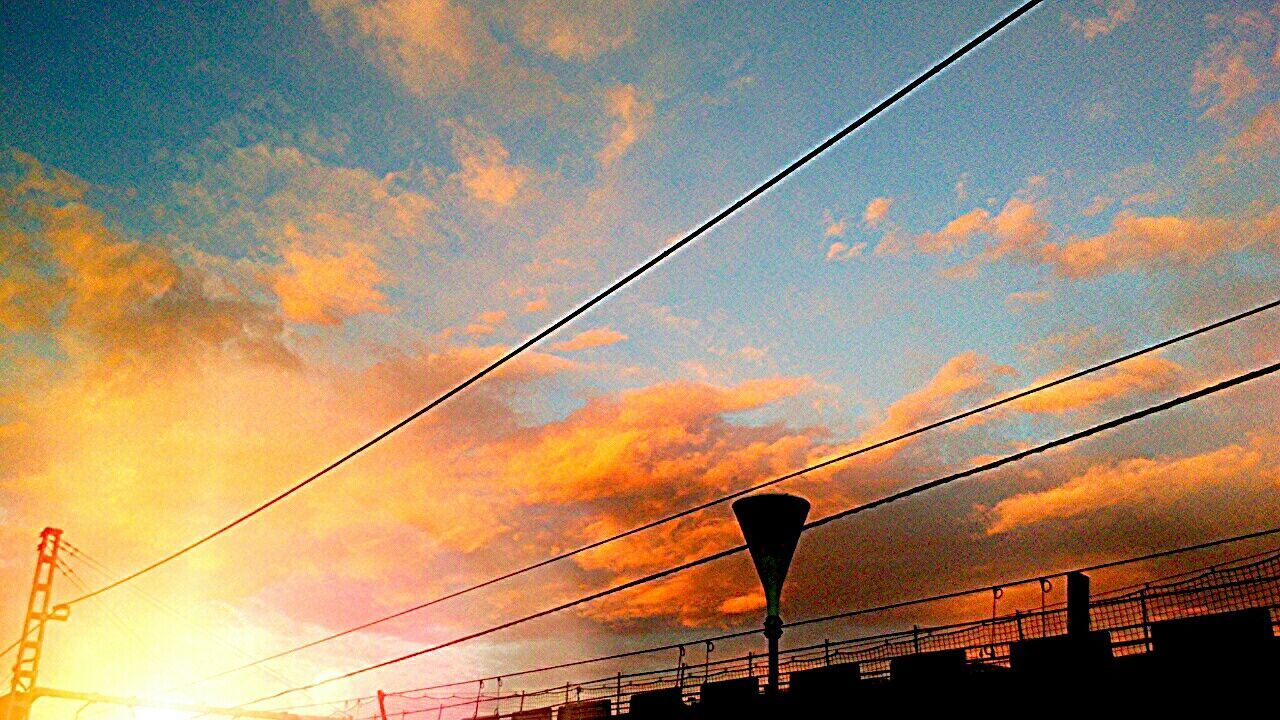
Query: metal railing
[(1126, 614)]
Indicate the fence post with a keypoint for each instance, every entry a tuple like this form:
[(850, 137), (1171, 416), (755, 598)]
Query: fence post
[(617, 696), (479, 691), (826, 651), (1146, 621), (915, 638)]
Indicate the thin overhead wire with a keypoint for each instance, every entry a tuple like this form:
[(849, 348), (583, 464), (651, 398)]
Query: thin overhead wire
[(998, 402), (649, 264), (880, 502)]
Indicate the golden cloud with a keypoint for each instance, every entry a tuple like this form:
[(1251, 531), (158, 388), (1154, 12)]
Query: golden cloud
[(328, 289), (1144, 374), (1128, 482), (1138, 242), (593, 338)]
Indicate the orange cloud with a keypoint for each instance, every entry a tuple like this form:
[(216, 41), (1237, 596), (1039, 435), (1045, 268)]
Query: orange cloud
[(38, 178), (1144, 374), (955, 234), (840, 251), (1137, 242), (486, 171), (751, 602), (876, 211), (328, 289), (593, 338), (964, 373), (631, 117), (584, 32), (1127, 482), (668, 438), (1017, 231), (114, 296), (834, 228), (432, 47)]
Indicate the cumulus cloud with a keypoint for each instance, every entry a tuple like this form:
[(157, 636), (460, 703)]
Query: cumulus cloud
[(1018, 231), (1237, 65), (1144, 242), (34, 177), (1145, 374), (834, 228), (631, 116), (876, 211), (242, 198), (1110, 15), (958, 378), (327, 289), (486, 172), (582, 32), (1130, 482), (593, 338), (839, 251), (956, 234), (87, 286), (437, 48)]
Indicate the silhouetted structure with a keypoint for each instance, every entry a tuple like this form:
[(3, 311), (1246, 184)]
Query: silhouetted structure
[(1208, 638)]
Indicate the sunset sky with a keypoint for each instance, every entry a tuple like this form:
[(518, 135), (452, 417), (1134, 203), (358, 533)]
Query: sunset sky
[(237, 240)]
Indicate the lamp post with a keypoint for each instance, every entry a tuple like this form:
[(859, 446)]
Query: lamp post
[(771, 524)]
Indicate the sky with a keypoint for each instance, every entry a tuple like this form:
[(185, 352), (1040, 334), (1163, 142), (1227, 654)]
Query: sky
[(239, 239)]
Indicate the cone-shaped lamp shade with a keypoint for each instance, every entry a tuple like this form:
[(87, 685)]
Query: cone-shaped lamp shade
[(771, 524)]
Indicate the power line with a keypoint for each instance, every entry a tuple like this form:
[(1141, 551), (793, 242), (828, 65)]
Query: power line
[(747, 490), (601, 295), (894, 497), (897, 605)]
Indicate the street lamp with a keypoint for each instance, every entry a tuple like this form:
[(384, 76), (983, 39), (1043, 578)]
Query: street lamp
[(771, 524)]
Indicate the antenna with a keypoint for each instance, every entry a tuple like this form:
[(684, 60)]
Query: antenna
[(771, 524)]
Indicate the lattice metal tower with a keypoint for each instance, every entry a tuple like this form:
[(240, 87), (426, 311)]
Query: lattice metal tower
[(39, 611)]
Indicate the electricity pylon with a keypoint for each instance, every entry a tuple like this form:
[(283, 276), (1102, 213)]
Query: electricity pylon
[(40, 610)]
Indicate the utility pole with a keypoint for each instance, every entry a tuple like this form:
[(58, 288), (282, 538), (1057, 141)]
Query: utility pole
[(31, 643)]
